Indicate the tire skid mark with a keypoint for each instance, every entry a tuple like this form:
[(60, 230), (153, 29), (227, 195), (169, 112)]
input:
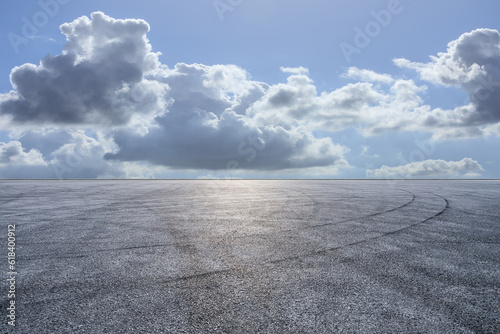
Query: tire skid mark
[(60, 190), (321, 251), (312, 213), (481, 214), (289, 198), (469, 242), (200, 275), (70, 255), (18, 196), (367, 216), (472, 194), (415, 224), (300, 257), (84, 212), (90, 253), (273, 262), (324, 251), (197, 240)]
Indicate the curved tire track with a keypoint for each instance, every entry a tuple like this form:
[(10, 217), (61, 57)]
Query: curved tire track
[(198, 240), (318, 252), (367, 216), (325, 250)]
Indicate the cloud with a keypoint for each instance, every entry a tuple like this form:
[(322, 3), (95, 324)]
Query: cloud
[(361, 105), (429, 168), (294, 70), (206, 128), (368, 75), (55, 153), (108, 98), (17, 163), (102, 76), (472, 62), (12, 153), (81, 157), (364, 150), (211, 177), (192, 116)]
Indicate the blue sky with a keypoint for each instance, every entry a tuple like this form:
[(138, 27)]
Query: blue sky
[(312, 108)]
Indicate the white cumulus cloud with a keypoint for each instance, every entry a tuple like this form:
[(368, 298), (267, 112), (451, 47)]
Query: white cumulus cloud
[(192, 116), (108, 97), (12, 153), (429, 168), (295, 70), (472, 63), (368, 75), (101, 77)]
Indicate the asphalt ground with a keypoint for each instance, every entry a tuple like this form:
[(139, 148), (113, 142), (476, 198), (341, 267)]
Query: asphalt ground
[(317, 256)]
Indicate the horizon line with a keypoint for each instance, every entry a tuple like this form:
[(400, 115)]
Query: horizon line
[(251, 179)]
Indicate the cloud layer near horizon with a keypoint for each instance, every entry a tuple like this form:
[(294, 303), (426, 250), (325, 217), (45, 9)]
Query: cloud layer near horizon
[(109, 97), (429, 168)]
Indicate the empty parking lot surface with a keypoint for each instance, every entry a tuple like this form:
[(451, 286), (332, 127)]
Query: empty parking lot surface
[(248, 256)]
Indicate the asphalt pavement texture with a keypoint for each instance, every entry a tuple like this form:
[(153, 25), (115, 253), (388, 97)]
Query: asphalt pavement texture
[(252, 256)]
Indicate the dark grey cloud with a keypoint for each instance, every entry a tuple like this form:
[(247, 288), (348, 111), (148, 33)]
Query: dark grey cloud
[(101, 77), (108, 81), (191, 116), (202, 131), (207, 126), (10, 151), (44, 140), (180, 146), (471, 62), (282, 98)]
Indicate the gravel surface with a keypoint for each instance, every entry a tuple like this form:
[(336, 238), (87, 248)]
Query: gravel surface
[(254, 256)]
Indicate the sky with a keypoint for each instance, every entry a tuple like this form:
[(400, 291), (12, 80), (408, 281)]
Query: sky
[(216, 89)]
